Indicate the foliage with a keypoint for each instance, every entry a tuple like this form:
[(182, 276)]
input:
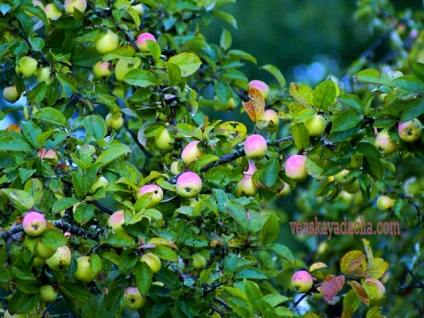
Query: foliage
[(219, 251)]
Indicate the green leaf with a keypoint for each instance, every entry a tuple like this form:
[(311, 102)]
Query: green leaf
[(141, 78), (9, 143), (374, 167), (154, 49), (276, 73), (188, 63), (242, 55), (119, 240), (51, 115), (346, 120), (22, 303), (226, 17), (238, 213), (409, 84), (250, 273), (204, 161), (254, 295), (67, 85), (143, 277), (174, 74), (324, 95), (75, 295), (282, 251), (373, 76), (95, 126), (113, 152), (225, 40), (53, 238), (300, 135), (270, 172), (418, 70), (302, 93), (186, 130), (270, 230), (34, 187), (350, 100), (165, 253), (20, 198), (37, 94), (84, 213), (414, 109), (368, 150)]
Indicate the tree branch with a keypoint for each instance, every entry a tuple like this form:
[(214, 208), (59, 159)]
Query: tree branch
[(75, 229)]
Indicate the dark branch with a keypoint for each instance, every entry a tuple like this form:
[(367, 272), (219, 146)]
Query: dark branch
[(75, 229)]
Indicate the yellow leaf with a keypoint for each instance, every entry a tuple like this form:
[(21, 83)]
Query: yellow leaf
[(255, 107), (317, 265)]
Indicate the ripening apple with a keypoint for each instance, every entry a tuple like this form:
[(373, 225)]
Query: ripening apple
[(255, 147), (261, 86), (191, 152), (107, 42), (315, 125), (385, 203), (156, 194), (295, 167), (52, 12), (189, 184), (199, 261), (34, 223), (48, 294), (152, 260), (176, 167), (251, 169), (43, 251), (285, 190), (302, 281), (141, 41), (246, 186), (71, 5), (84, 272), (43, 75), (26, 67), (381, 290), (385, 144), (133, 299), (163, 140), (271, 117), (43, 153), (122, 67), (10, 93), (410, 131), (114, 120), (102, 70), (116, 220), (101, 182), (61, 259)]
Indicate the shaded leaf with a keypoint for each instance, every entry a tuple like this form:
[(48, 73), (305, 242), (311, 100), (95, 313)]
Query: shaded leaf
[(331, 286)]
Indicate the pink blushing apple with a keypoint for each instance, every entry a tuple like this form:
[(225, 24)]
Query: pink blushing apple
[(142, 41), (191, 152), (156, 194), (255, 147), (251, 169), (34, 223), (189, 184), (261, 86), (410, 131), (295, 167), (116, 220), (302, 281)]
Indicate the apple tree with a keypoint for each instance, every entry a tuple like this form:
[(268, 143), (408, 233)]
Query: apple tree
[(124, 190)]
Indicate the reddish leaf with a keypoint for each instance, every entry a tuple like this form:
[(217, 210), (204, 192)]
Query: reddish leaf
[(255, 107), (331, 286), (360, 291)]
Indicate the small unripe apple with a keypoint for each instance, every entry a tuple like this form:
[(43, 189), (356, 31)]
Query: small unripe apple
[(164, 140), (84, 272), (114, 120), (47, 154), (246, 186), (52, 12), (11, 94), (315, 125), (38, 261), (255, 147), (48, 293), (133, 299), (351, 187), (138, 8), (43, 251), (176, 167), (34, 223), (231, 104), (43, 75), (152, 260), (116, 220), (122, 67), (285, 190), (302, 281), (199, 261), (156, 194), (295, 167), (101, 182), (385, 144), (142, 41), (270, 116), (410, 131), (102, 70), (192, 152), (356, 161), (107, 42), (61, 259), (26, 67), (189, 184), (261, 86), (71, 5), (381, 290), (385, 203)]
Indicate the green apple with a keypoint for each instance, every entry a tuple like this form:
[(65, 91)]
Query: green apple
[(72, 5), (114, 120), (101, 182), (38, 261), (84, 272), (102, 70), (176, 167), (26, 67), (133, 299), (385, 203), (34, 223), (385, 144), (302, 281), (138, 8), (315, 125), (43, 251), (43, 75), (163, 140), (10, 93), (351, 187), (199, 261), (189, 184), (52, 12), (156, 194), (142, 39), (295, 167), (255, 147), (116, 220), (356, 161), (192, 152), (410, 131), (48, 294), (122, 67), (284, 191), (246, 186), (261, 86), (107, 42), (152, 260), (381, 290), (61, 259)]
